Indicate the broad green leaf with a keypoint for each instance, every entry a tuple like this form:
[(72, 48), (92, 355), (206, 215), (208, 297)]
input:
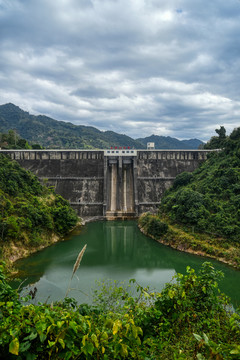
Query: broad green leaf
[(104, 336), (138, 341), (135, 331), (73, 325), (42, 337), (206, 339), (124, 351), (89, 324), (14, 346), (51, 343), (95, 340), (30, 356), (59, 324), (116, 326), (32, 336), (146, 294), (85, 337), (140, 330), (197, 337), (40, 327), (88, 348), (62, 343), (68, 355), (49, 328), (25, 346), (235, 351), (200, 357), (171, 294)]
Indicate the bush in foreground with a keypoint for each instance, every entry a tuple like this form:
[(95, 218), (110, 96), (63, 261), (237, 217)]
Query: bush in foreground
[(189, 319)]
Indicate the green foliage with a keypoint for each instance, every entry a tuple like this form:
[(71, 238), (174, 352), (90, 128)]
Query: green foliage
[(6, 292), (208, 199), (11, 140), (187, 320), (190, 207), (152, 225), (182, 179), (217, 142), (28, 210), (64, 217)]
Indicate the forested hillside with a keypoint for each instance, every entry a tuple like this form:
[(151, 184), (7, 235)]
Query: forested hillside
[(11, 140), (51, 133), (31, 215), (167, 142), (54, 134), (209, 198), (207, 201)]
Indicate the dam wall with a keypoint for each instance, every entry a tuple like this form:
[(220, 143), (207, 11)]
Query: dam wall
[(156, 171), (109, 183)]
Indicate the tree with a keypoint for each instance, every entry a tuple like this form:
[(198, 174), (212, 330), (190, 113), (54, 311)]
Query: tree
[(217, 142)]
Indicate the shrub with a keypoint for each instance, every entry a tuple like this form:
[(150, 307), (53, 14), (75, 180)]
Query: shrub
[(145, 326), (152, 225), (30, 208), (182, 179)]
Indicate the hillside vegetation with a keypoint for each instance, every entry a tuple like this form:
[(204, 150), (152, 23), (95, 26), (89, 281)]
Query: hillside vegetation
[(11, 140), (51, 133), (207, 201), (31, 215)]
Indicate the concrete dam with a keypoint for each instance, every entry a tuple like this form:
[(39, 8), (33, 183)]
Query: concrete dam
[(109, 183)]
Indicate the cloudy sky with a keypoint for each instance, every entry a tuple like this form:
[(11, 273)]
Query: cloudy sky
[(137, 67)]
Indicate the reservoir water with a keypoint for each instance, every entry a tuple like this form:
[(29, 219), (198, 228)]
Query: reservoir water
[(115, 250)]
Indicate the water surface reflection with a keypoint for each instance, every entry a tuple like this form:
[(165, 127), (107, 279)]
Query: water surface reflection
[(115, 250)]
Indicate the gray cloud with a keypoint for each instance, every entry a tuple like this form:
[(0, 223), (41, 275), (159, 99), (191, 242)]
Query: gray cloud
[(136, 67)]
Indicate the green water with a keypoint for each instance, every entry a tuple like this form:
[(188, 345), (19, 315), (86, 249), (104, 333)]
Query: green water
[(115, 250)]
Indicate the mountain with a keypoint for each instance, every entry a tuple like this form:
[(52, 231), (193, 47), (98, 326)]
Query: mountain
[(51, 133), (54, 134), (192, 143), (167, 142)]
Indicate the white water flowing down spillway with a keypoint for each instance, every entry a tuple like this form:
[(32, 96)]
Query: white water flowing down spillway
[(113, 207), (120, 189), (124, 189)]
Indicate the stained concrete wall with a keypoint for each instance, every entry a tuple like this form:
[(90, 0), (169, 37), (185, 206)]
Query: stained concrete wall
[(156, 171), (83, 176), (76, 175)]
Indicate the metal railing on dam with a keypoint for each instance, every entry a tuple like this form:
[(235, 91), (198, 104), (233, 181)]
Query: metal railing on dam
[(114, 183)]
